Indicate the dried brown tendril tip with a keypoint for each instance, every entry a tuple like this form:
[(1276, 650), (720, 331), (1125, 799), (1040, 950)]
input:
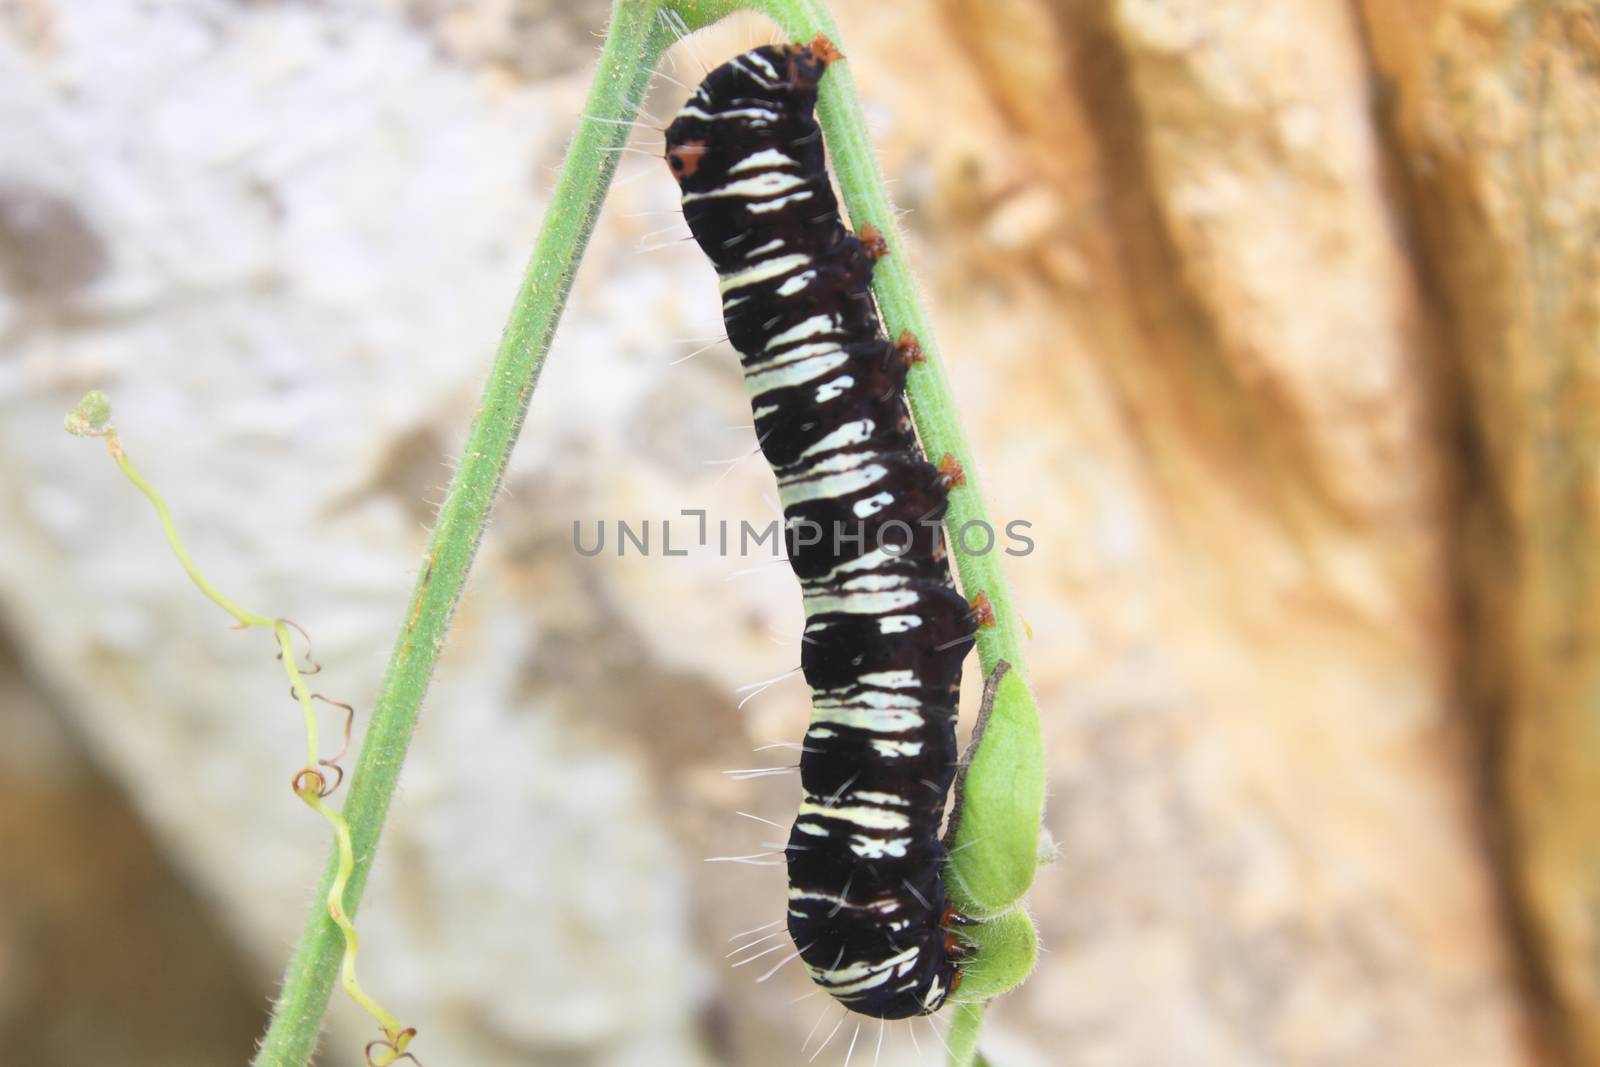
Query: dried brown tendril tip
[(391, 1049), (349, 724), (312, 666), (982, 610)]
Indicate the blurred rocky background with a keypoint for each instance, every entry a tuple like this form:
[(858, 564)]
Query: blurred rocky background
[(1279, 322)]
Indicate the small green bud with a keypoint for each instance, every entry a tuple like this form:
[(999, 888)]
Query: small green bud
[(91, 416)]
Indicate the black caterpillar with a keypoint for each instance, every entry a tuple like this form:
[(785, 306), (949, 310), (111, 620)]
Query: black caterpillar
[(886, 630)]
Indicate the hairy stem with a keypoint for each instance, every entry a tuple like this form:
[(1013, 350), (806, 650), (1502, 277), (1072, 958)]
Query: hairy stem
[(966, 1020), (635, 41)]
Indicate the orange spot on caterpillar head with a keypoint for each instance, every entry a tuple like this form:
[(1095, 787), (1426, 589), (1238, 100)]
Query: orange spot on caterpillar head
[(684, 158), (872, 240), (950, 472), (824, 50), (982, 610), (909, 348)]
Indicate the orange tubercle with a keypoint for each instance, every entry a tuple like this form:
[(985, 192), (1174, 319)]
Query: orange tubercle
[(950, 471), (824, 50), (909, 348), (982, 610), (872, 240)]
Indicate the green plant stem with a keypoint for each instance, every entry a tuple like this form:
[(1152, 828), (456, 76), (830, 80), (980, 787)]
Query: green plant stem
[(966, 1021), (635, 40)]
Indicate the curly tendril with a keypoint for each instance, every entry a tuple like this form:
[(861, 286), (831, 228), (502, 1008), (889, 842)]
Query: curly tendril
[(92, 418)]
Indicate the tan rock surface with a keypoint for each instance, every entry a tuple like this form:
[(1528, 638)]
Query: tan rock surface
[(1495, 115)]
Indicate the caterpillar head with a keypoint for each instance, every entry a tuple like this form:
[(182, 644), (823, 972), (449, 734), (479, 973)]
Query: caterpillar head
[(753, 99)]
